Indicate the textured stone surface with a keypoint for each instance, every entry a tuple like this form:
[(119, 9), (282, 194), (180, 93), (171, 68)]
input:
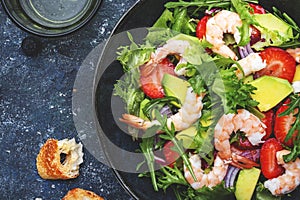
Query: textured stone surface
[(36, 104)]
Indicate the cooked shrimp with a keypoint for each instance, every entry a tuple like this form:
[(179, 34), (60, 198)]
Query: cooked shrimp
[(184, 118), (223, 22), (250, 64), (211, 179), (243, 121), (172, 47), (295, 53), (287, 182)]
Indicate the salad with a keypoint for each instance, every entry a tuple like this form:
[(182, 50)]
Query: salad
[(212, 98)]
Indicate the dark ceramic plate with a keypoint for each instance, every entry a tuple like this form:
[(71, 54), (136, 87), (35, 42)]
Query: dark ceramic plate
[(143, 14)]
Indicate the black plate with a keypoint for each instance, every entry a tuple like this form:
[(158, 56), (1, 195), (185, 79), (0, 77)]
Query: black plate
[(143, 14)]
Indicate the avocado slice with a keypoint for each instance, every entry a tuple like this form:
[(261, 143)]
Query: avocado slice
[(297, 74), (187, 136), (142, 106), (175, 87), (273, 23), (270, 91), (246, 183)]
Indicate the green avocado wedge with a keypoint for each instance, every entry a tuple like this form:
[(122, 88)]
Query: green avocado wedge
[(246, 183), (175, 87)]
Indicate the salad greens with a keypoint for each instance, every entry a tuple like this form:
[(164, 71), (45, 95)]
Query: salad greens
[(209, 75)]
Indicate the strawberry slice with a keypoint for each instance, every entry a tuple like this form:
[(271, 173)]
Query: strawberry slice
[(170, 155), (152, 75), (256, 9), (268, 121), (269, 166), (201, 27), (279, 64), (283, 125)]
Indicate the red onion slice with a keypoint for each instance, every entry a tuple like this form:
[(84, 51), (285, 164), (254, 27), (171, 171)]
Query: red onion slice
[(230, 177)]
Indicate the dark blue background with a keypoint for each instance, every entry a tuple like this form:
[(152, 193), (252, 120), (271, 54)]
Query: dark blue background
[(36, 104)]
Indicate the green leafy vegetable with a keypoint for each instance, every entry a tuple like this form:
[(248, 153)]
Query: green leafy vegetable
[(134, 55), (263, 193), (218, 192), (128, 89), (147, 149), (170, 135), (206, 4), (241, 8), (164, 20), (169, 176), (234, 93)]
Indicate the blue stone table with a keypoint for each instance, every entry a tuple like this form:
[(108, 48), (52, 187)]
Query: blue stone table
[(36, 104)]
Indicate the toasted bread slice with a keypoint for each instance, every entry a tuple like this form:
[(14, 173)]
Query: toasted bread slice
[(49, 164), (81, 194)]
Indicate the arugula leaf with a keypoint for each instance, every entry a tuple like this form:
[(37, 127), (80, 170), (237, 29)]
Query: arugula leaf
[(170, 135), (147, 149), (285, 17), (164, 20)]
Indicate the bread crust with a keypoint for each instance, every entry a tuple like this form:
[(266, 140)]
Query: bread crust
[(81, 194), (49, 164)]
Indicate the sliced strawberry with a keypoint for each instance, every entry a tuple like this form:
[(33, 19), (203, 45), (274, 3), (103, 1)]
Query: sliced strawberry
[(283, 125), (201, 27), (257, 9), (269, 166), (279, 64), (268, 121), (152, 75), (170, 155)]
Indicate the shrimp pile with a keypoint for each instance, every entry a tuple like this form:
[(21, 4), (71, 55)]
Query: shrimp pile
[(243, 121), (223, 22), (183, 119), (287, 182), (211, 179)]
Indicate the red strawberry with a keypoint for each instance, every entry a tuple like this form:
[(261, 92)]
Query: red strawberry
[(269, 166), (170, 155), (151, 77), (201, 27), (279, 64), (257, 9), (283, 125), (268, 121)]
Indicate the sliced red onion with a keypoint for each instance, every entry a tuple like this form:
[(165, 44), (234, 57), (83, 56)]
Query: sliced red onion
[(160, 160), (230, 177), (212, 11), (249, 49), (242, 52), (166, 111), (245, 51), (253, 155)]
